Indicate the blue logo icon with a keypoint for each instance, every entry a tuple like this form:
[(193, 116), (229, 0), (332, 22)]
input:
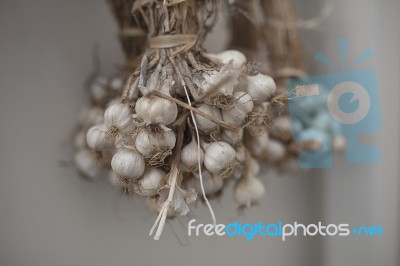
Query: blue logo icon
[(340, 104)]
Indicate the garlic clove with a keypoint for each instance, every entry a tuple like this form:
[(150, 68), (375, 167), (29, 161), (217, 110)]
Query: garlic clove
[(128, 163), (249, 191), (97, 138), (203, 123), (218, 156), (260, 87)]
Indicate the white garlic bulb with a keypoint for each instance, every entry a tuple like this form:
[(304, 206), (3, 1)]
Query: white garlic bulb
[(218, 156), (275, 151), (256, 143), (260, 87), (97, 139), (248, 191), (203, 123), (147, 143), (231, 137), (119, 117), (128, 163), (99, 90), (150, 182), (91, 116), (238, 58), (214, 77), (154, 109), (117, 83), (189, 155), (282, 128), (88, 164), (80, 140), (212, 184), (237, 114)]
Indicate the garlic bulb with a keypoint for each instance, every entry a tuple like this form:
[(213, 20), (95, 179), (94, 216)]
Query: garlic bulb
[(274, 151), (118, 117), (219, 155), (237, 114), (260, 87), (128, 163), (256, 143), (88, 165), (212, 184), (231, 137), (282, 128), (154, 109), (203, 123), (97, 139), (189, 155), (98, 89), (150, 182), (91, 116), (147, 142), (248, 191), (238, 58), (214, 77), (80, 140)]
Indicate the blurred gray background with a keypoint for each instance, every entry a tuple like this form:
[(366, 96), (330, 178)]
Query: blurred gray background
[(49, 216)]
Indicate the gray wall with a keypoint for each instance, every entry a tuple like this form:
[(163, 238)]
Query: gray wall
[(49, 216)]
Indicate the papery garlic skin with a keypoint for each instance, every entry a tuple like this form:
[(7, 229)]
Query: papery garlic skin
[(88, 165), (203, 123), (155, 110), (119, 116), (96, 138), (189, 155), (150, 182), (146, 142), (218, 156), (282, 128), (237, 114), (249, 191), (260, 87), (128, 163)]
